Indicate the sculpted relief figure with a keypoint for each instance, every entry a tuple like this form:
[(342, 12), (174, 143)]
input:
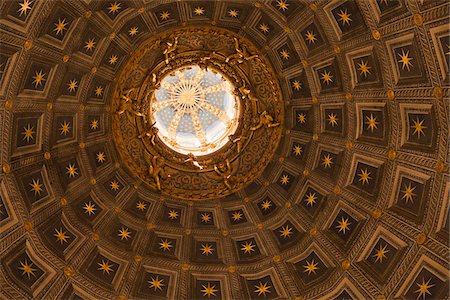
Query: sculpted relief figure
[(241, 54), (156, 170), (126, 104), (265, 120), (223, 169), (238, 140), (170, 49), (193, 161), (151, 133)]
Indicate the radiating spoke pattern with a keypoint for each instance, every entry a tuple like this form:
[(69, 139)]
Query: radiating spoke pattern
[(194, 110)]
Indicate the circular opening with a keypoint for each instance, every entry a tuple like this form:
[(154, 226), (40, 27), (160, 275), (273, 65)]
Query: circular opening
[(195, 110)]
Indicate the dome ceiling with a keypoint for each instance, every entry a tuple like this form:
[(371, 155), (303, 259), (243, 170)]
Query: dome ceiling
[(344, 197)]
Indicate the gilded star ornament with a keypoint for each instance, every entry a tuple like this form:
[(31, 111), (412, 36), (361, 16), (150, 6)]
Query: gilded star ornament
[(28, 133), (234, 13), (60, 26), (27, 269), (297, 150), (71, 170), (25, 6), (209, 290), (173, 214), (264, 27), (113, 59), (343, 225), (363, 68), (327, 161), (206, 249), (72, 85), (141, 205), (199, 11), (344, 17), (89, 208), (114, 8), (38, 78), (284, 180), (101, 157), (310, 267), (89, 45), (282, 5), (205, 217), (60, 236), (133, 31), (311, 199), (301, 118), (64, 128), (156, 283), (165, 245), (310, 37), (266, 204), (248, 247), (124, 233), (380, 253), (98, 91), (424, 288), (105, 267), (36, 187), (364, 176), (326, 77), (405, 60), (115, 186), (332, 119), (165, 15), (94, 124), (284, 54), (237, 215), (285, 231), (408, 193), (371, 123), (296, 85), (262, 289), (419, 127)]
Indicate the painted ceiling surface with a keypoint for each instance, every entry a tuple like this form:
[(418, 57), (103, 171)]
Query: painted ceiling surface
[(353, 204)]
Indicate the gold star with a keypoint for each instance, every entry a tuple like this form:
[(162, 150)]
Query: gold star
[(296, 85), (364, 176), (209, 290), (133, 31), (24, 7), (124, 233), (236, 216), (156, 283), (60, 26), (343, 225), (405, 60), (381, 253), (173, 214), (98, 91), (284, 54), (385, 1), (141, 205), (297, 150), (371, 123), (199, 11), (248, 247), (90, 45), (264, 27), (262, 289), (28, 133), (39, 78), (301, 118), (71, 170), (448, 50), (310, 37), (65, 128), (284, 180), (344, 16), (326, 77), (94, 124), (332, 119), (60, 236), (207, 249), (101, 157), (113, 59), (408, 193), (234, 13), (327, 161), (363, 68), (266, 204), (311, 199), (285, 232), (105, 267), (72, 85), (282, 5), (165, 245), (27, 268), (424, 288), (165, 15), (311, 267), (205, 217), (89, 208), (36, 187), (418, 127), (114, 8), (114, 185)]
